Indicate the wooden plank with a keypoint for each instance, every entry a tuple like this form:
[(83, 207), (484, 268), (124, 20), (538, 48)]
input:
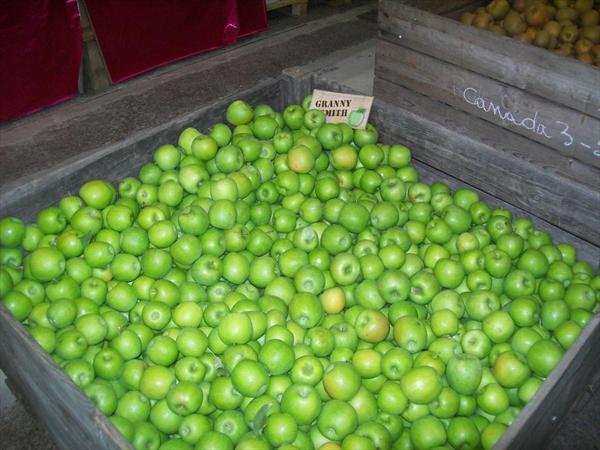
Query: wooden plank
[(295, 84), (539, 420), (510, 143), (527, 67), (25, 197), (95, 69), (468, 149), (300, 8), (440, 7), (567, 131), (71, 418)]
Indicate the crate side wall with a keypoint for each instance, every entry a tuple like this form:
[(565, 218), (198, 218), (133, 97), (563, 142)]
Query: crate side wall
[(572, 135), (540, 72)]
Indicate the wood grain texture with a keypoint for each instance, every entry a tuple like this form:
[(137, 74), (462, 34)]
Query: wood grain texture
[(70, 417), (473, 151), (439, 7), (571, 133), (526, 67), (95, 70)]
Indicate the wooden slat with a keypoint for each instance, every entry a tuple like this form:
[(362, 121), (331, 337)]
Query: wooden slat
[(539, 420), (440, 7), (480, 154), (96, 74), (70, 417), (569, 132), (527, 67)]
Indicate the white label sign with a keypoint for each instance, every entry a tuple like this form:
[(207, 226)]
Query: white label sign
[(343, 108)]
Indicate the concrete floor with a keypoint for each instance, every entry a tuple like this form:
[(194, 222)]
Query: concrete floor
[(339, 43)]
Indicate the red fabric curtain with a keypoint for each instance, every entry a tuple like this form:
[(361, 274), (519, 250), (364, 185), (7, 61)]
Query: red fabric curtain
[(139, 35), (252, 15), (40, 54)]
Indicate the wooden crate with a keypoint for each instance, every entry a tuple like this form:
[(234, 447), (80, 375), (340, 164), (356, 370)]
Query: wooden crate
[(299, 7), (517, 121), (73, 420)]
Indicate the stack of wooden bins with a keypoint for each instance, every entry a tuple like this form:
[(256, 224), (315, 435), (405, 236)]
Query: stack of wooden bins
[(515, 120)]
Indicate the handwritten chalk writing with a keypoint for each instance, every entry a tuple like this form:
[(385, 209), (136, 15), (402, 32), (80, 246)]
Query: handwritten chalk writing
[(472, 97), (565, 133), (530, 123)]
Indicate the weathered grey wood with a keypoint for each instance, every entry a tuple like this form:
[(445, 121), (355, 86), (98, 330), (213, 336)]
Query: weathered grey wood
[(527, 67), (473, 151), (96, 74), (25, 197), (439, 7), (569, 132), (538, 421), (71, 418), (296, 84)]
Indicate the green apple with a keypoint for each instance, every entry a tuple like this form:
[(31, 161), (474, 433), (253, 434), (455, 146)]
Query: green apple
[(239, 113)]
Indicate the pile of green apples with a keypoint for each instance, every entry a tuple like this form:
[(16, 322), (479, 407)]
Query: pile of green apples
[(281, 282)]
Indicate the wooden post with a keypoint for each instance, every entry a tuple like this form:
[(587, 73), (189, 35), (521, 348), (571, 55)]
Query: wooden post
[(95, 71), (300, 8)]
